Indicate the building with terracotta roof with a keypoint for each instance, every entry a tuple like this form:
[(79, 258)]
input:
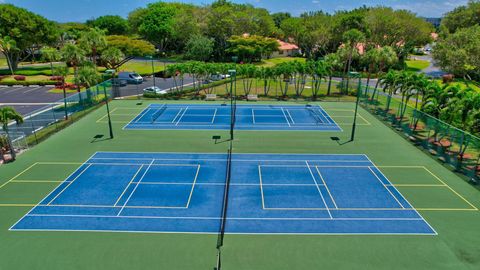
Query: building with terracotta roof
[(286, 49)]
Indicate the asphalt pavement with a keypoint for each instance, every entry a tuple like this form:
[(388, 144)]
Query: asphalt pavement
[(26, 99)]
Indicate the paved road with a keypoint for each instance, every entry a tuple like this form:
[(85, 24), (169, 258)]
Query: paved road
[(433, 70), (28, 99), (137, 89)]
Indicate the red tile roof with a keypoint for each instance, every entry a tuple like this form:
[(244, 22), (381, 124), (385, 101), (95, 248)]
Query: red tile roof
[(284, 46)]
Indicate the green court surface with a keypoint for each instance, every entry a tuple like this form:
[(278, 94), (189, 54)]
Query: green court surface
[(448, 203)]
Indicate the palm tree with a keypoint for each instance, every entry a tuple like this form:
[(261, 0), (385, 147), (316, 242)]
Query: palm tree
[(352, 38), (318, 72), (386, 57), (50, 54), (88, 76), (285, 73), (248, 72), (112, 57), (63, 72), (7, 47), (92, 41), (8, 114), (371, 61), (74, 56), (300, 71)]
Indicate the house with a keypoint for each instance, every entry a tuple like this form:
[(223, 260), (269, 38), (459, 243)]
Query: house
[(286, 49)]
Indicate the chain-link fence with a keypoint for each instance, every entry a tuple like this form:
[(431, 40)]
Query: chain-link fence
[(39, 124), (452, 146)]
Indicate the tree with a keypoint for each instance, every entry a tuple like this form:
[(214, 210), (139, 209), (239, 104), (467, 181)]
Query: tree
[(156, 24), (8, 47), (352, 38), (8, 114), (461, 17), (113, 25), (63, 71), (199, 48), (252, 48), (458, 53), (87, 75), (130, 47), (400, 29), (29, 31), (73, 56), (51, 55), (92, 41), (279, 17), (386, 57), (112, 57)]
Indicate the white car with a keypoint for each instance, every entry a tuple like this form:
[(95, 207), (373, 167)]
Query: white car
[(154, 90)]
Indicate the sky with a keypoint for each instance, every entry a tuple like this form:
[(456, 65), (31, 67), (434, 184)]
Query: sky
[(82, 10)]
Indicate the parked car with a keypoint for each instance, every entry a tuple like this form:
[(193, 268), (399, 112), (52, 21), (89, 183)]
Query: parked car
[(119, 83), (219, 77), (154, 90), (130, 77)]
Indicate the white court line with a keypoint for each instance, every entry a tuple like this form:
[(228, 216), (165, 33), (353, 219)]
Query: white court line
[(126, 188), (54, 198), (142, 114), (383, 184), (261, 185), (291, 118), (136, 186), (214, 115), (213, 218), (286, 119), (375, 166), (193, 187), (318, 188), (180, 118), (326, 187), (50, 193), (253, 116)]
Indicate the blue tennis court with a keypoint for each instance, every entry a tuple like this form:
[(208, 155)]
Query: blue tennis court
[(248, 117), (269, 194)]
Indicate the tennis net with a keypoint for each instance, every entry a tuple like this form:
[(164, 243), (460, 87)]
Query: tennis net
[(158, 113), (316, 116), (226, 191)]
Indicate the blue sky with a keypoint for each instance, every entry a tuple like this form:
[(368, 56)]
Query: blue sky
[(81, 10)]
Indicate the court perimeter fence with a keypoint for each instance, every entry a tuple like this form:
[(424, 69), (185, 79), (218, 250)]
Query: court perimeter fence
[(39, 124), (455, 148)]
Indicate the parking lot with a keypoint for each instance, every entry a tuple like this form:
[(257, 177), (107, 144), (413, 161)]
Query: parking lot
[(26, 99), (162, 83)]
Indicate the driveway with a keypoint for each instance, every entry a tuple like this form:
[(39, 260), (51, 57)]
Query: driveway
[(136, 89), (26, 99)]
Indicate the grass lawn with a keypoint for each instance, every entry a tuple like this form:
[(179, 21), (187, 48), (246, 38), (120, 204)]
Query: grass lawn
[(417, 65), (142, 67), (257, 88), (275, 61), (449, 207)]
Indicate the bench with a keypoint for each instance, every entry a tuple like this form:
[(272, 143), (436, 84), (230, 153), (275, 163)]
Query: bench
[(211, 97), (252, 98)]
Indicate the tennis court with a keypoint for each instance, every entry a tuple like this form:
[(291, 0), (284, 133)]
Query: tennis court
[(268, 194), (247, 117)]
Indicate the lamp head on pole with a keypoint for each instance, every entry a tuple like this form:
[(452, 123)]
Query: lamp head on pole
[(354, 74)]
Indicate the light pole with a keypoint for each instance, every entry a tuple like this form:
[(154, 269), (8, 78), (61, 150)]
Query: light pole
[(233, 75), (359, 90), (153, 70), (106, 103)]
